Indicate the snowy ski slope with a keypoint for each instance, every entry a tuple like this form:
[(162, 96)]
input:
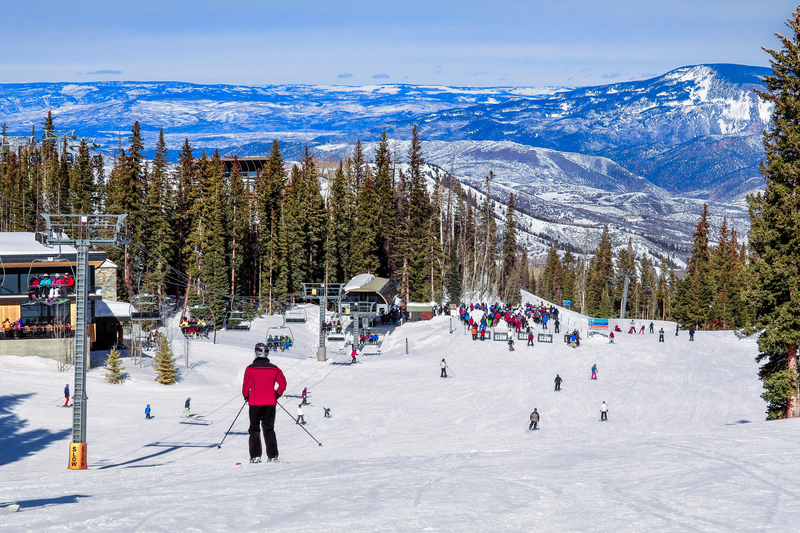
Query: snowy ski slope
[(686, 447)]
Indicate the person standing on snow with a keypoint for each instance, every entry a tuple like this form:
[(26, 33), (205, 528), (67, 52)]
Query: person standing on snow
[(353, 355), (558, 381), (300, 418), (258, 389), (651, 327), (611, 337), (511, 344), (603, 412), (530, 338), (594, 371), (691, 334), (66, 395), (305, 395), (661, 335), (147, 412), (677, 329), (186, 413), (534, 419), (443, 366)]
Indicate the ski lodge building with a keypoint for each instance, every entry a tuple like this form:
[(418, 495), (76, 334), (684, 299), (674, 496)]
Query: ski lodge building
[(366, 288), (39, 325)]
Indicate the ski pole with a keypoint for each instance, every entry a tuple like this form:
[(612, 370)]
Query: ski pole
[(232, 423), (451, 372), (301, 427)]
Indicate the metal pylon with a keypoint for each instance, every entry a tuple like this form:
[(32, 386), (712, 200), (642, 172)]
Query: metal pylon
[(82, 232)]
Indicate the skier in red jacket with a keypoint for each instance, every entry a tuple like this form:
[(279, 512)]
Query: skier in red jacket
[(259, 390)]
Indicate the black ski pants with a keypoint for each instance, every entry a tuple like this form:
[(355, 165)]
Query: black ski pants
[(263, 416), (603, 415), (444, 372), (533, 425)]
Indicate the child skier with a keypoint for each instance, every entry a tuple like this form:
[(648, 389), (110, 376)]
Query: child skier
[(305, 396), (611, 338), (558, 381), (530, 338), (66, 395), (594, 371), (511, 344), (187, 413), (300, 418), (604, 412), (443, 366), (353, 355), (147, 412), (661, 335)]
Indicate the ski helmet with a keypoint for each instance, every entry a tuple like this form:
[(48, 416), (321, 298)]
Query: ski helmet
[(262, 350)]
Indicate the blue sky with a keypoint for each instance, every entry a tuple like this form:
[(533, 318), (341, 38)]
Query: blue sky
[(466, 43)]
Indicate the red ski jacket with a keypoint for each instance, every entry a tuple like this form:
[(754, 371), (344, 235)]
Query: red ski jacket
[(259, 383)]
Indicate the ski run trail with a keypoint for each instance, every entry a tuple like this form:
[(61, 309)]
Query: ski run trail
[(686, 447)]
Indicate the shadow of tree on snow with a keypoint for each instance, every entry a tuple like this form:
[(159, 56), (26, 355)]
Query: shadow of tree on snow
[(17, 443)]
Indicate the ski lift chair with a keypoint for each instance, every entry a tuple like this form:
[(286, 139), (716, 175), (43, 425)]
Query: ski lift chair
[(236, 321), (279, 338), (296, 315)]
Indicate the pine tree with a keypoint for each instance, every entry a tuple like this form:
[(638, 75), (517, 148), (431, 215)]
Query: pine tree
[(419, 219), (775, 233), (340, 228), (509, 276), (695, 291), (384, 187), (164, 363), (600, 278), (115, 371), (159, 238), (364, 246), (454, 278)]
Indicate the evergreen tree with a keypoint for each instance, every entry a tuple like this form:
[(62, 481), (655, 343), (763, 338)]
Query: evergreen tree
[(775, 233), (115, 371), (419, 219), (82, 188), (600, 278), (159, 238), (241, 234), (364, 247), (454, 278), (509, 277), (164, 363), (626, 262), (695, 291), (384, 187), (340, 228)]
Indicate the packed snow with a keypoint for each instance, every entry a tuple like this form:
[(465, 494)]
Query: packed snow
[(686, 446)]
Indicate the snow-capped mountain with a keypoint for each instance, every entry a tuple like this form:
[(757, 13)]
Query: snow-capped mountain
[(640, 156)]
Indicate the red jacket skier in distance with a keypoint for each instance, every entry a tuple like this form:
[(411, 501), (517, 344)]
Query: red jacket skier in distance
[(259, 383)]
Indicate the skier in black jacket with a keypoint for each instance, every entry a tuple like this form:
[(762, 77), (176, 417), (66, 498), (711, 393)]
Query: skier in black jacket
[(558, 381)]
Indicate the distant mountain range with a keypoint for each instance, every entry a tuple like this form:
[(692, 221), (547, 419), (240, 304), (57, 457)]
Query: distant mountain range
[(640, 155)]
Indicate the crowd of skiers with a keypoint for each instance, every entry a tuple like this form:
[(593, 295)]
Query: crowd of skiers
[(480, 317)]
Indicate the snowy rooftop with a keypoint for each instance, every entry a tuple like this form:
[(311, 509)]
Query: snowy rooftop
[(25, 243)]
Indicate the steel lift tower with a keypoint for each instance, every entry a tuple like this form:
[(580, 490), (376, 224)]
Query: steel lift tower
[(82, 232), (323, 292)]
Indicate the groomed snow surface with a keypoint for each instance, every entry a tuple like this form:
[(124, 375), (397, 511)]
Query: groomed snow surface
[(685, 447)]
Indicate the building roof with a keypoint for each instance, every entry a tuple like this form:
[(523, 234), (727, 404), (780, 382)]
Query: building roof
[(368, 283), (113, 309), (21, 249), (16, 243)]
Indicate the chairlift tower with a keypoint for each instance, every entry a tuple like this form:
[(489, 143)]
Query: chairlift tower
[(82, 232), (320, 291), (626, 273)]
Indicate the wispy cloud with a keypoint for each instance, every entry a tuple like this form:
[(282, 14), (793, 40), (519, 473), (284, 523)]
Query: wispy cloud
[(107, 72), (610, 76), (379, 76), (345, 75), (480, 73)]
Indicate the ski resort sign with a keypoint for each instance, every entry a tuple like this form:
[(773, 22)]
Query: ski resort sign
[(598, 326)]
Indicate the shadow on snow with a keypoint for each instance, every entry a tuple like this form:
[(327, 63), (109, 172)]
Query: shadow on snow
[(14, 441)]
